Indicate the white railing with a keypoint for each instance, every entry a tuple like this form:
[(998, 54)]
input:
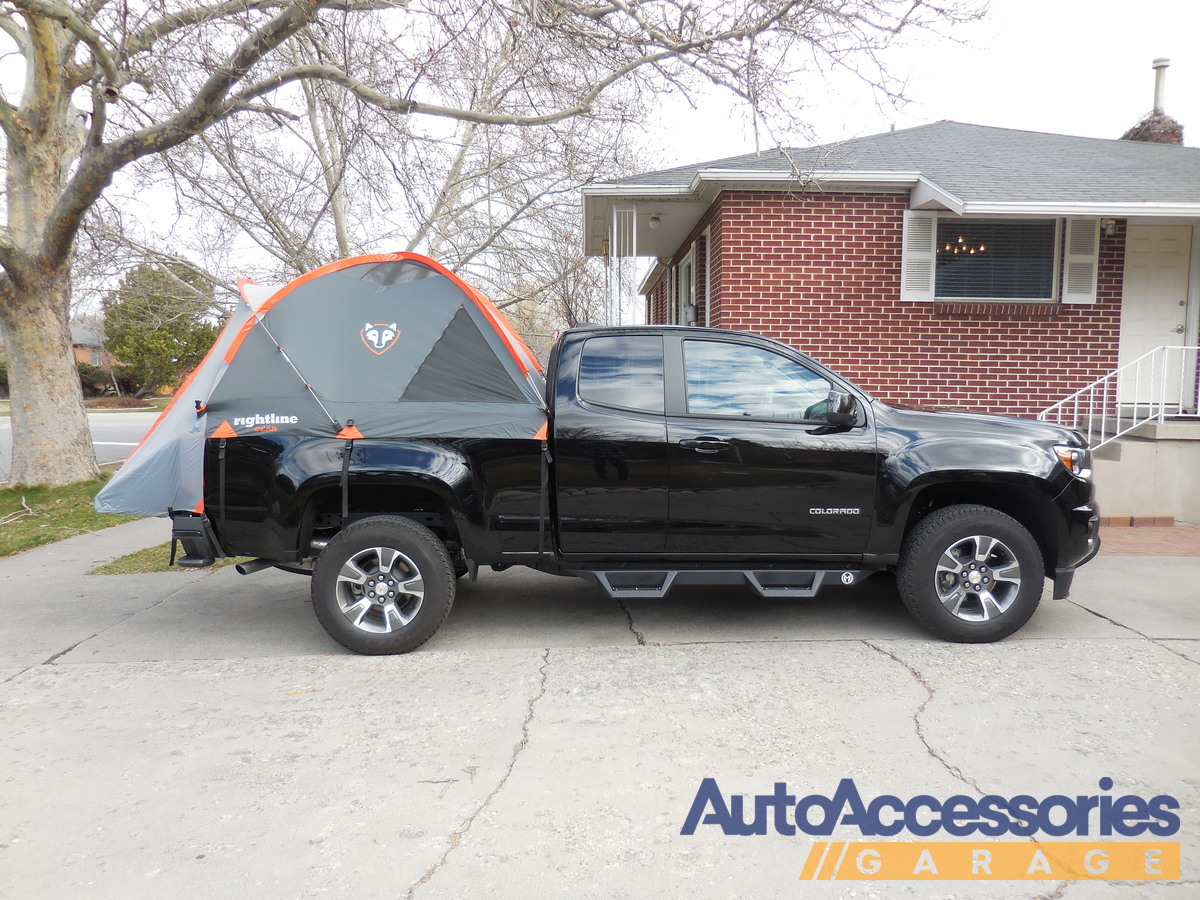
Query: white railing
[(1156, 386)]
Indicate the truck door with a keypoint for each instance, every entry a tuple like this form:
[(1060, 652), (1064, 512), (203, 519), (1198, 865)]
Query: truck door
[(610, 446), (754, 469)]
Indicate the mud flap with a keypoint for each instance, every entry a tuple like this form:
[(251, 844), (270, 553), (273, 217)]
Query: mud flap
[(1062, 582), (195, 535)]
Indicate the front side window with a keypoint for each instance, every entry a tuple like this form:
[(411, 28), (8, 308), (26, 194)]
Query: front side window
[(997, 260), (738, 380), (623, 370)]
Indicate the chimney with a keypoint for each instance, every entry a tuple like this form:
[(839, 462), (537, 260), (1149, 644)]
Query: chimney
[(1157, 127), (1160, 82)]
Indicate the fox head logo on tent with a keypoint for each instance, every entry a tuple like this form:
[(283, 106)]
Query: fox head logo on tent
[(379, 337)]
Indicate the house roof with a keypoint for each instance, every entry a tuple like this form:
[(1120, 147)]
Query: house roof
[(85, 336), (967, 169)]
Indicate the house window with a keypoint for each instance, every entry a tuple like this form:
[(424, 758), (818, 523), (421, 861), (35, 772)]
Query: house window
[(947, 257), (995, 260)]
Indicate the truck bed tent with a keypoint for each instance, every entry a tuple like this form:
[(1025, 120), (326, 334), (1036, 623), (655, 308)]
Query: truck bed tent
[(390, 345)]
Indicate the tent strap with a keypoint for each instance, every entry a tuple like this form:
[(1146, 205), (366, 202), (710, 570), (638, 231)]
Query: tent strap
[(346, 452), (221, 489), (543, 509)]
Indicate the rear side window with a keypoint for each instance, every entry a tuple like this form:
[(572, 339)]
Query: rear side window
[(623, 370)]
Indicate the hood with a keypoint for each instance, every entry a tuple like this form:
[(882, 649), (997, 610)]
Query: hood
[(947, 423)]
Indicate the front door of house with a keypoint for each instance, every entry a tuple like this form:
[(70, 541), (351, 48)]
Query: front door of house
[(1154, 313)]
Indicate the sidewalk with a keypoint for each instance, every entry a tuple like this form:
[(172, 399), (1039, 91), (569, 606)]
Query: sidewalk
[(1177, 540)]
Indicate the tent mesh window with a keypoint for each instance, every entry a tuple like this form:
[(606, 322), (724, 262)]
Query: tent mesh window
[(462, 367)]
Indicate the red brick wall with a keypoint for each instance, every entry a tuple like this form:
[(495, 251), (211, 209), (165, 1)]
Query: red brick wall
[(822, 272), (658, 306), (656, 301)]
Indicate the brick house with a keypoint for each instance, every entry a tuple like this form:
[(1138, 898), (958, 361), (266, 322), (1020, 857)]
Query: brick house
[(949, 265)]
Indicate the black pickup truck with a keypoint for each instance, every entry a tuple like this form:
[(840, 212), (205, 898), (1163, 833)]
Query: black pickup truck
[(672, 456)]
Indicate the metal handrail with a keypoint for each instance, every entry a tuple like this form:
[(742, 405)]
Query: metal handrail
[(1113, 405)]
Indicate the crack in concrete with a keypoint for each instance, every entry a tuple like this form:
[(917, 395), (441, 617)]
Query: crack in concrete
[(53, 660), (641, 638), (17, 675), (1057, 893), (949, 767), (1155, 641), (460, 832)]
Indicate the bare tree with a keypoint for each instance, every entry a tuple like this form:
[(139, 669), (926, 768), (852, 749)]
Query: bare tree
[(157, 74)]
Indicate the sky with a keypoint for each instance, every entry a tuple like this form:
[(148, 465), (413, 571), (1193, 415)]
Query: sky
[(1079, 67)]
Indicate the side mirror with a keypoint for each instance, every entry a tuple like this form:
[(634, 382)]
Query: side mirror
[(843, 408)]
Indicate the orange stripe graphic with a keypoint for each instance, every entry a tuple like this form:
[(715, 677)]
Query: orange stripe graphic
[(994, 861)]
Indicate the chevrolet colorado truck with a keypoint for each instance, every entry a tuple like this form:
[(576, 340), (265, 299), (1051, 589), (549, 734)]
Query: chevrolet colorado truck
[(672, 456)]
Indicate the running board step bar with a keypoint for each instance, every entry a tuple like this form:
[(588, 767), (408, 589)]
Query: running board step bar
[(625, 584)]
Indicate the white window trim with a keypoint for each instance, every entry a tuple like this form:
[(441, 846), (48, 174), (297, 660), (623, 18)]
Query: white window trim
[(918, 270), (686, 299)]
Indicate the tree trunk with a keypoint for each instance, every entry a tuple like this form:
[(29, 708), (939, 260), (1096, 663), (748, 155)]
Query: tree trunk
[(51, 442)]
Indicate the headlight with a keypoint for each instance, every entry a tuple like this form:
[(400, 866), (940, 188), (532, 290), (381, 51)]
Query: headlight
[(1078, 460)]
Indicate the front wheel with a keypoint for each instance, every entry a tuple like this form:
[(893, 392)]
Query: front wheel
[(383, 585), (970, 574)]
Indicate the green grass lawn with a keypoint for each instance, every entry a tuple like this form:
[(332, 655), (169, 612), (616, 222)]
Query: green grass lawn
[(31, 516), (153, 559)]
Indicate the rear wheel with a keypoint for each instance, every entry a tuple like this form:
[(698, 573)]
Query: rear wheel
[(383, 585), (970, 574)]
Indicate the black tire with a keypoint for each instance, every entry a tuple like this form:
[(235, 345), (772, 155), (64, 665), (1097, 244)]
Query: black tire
[(383, 585), (970, 574)]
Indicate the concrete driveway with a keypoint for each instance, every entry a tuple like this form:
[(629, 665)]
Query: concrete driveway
[(196, 733)]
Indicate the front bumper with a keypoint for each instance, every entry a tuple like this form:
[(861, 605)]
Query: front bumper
[(1081, 544)]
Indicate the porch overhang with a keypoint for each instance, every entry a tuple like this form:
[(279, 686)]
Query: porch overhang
[(678, 208)]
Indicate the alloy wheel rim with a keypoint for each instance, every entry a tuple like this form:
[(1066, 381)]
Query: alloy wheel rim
[(977, 578), (379, 590)]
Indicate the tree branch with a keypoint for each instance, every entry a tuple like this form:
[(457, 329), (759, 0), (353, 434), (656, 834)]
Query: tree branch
[(145, 38), (96, 168), (8, 119), (17, 263), (19, 35), (412, 107), (68, 18)]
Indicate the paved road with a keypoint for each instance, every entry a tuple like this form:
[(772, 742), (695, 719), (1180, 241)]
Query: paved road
[(114, 435), (196, 733)]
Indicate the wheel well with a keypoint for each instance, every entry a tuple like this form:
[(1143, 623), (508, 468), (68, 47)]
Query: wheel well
[(323, 514), (1022, 503)]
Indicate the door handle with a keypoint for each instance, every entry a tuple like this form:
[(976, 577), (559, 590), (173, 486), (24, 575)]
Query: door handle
[(705, 445), (1178, 329)]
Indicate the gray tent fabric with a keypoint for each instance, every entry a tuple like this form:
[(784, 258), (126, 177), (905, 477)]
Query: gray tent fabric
[(380, 346), (164, 470)]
